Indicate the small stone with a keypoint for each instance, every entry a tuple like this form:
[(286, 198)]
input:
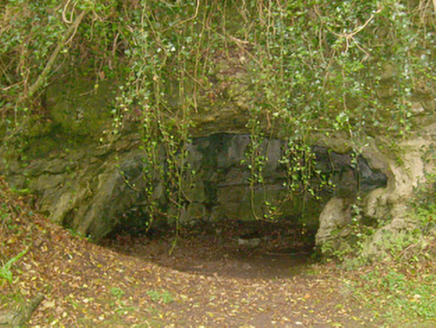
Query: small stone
[(253, 242)]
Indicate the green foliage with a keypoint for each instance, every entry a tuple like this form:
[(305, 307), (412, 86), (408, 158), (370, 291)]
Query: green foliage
[(5, 270), (425, 218), (164, 297), (425, 195), (404, 295), (312, 65), (28, 33), (404, 286), (117, 292), (120, 305)]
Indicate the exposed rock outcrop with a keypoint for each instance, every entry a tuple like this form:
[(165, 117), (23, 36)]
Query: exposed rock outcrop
[(334, 221), (94, 190)]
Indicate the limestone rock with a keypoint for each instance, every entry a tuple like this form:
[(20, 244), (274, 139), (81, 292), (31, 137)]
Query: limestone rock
[(18, 317), (334, 217), (93, 189)]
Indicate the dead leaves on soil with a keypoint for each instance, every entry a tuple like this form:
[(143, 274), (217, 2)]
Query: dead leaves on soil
[(85, 285)]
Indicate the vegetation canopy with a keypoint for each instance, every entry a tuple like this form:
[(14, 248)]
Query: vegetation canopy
[(311, 64)]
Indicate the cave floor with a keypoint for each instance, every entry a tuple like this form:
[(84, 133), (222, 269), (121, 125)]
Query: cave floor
[(250, 250), (209, 280)]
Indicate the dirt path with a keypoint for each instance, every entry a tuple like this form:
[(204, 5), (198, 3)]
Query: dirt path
[(219, 283)]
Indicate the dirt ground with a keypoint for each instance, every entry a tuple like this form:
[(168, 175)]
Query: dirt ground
[(209, 280), (223, 249), (221, 275)]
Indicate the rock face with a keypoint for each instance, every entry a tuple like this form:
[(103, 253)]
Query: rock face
[(407, 165), (334, 219), (95, 190), (98, 189)]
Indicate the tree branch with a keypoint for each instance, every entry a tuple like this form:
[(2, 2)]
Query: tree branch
[(41, 78)]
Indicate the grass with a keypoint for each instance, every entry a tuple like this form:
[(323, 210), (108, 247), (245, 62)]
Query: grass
[(401, 296), (5, 270), (402, 286), (164, 297)]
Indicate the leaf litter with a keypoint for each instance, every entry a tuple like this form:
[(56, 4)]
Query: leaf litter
[(139, 284)]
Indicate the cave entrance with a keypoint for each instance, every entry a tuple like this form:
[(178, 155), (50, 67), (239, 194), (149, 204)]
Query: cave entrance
[(222, 227), (243, 249), (219, 231)]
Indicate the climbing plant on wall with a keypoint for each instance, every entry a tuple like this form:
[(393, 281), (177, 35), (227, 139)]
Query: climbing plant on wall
[(312, 67)]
